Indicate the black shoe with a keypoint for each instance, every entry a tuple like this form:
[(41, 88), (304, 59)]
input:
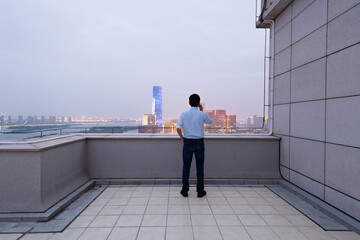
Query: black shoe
[(201, 194), (184, 193)]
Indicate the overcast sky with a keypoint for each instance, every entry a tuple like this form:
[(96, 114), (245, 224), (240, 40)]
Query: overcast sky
[(101, 58)]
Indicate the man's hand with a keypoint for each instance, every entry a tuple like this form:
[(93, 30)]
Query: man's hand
[(180, 134)]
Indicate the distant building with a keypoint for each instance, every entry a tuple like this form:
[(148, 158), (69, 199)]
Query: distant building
[(157, 104), (30, 120), (9, 122), (169, 127), (52, 119), (43, 121), (222, 123), (20, 119), (2, 120), (255, 121), (69, 119), (231, 123), (149, 119)]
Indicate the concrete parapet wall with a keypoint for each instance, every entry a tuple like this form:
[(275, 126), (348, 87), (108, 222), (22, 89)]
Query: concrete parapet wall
[(35, 176), (240, 157)]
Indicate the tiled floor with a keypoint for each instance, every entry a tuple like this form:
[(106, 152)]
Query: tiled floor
[(162, 213)]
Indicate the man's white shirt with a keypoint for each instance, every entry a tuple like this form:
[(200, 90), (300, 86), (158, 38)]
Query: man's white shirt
[(193, 122)]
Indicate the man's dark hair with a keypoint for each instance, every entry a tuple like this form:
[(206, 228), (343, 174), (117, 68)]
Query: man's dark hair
[(194, 100)]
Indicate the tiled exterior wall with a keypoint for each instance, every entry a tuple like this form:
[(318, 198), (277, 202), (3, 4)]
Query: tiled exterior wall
[(317, 99)]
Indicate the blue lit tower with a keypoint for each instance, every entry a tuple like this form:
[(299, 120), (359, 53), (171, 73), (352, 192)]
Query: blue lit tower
[(157, 105)]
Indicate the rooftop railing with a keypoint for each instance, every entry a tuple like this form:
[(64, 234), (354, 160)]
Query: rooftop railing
[(18, 135)]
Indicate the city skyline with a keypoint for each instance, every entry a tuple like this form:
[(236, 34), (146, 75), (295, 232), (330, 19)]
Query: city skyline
[(60, 60)]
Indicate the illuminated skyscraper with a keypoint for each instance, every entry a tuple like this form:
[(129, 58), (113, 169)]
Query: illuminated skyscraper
[(157, 104)]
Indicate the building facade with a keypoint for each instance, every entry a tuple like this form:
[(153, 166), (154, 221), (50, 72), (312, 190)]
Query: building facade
[(317, 97), (157, 104)]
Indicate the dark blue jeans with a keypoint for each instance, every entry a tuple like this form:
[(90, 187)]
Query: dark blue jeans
[(193, 146)]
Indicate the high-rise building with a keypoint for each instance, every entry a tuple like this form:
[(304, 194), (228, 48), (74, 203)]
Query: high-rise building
[(9, 120), (2, 120), (42, 121), (20, 119), (157, 104)]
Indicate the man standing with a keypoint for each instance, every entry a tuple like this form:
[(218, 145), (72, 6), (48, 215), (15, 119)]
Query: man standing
[(193, 121)]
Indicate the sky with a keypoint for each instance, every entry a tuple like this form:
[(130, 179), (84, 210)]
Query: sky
[(101, 58)]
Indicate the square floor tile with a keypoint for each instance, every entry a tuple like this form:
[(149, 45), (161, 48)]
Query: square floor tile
[(156, 209), (206, 233), (257, 201), (123, 195), (160, 194), (218, 200), (125, 233), (231, 194), (178, 200), (112, 210), (178, 209), (234, 233), (237, 201), (286, 233), (158, 201), (243, 209), (244, 189), (316, 233), (200, 209), (300, 221), (251, 220), (198, 201), (203, 220), (95, 234), (250, 194), (104, 221), (138, 201), (179, 233), (222, 209), (141, 193), (154, 221), (276, 220), (118, 201), (178, 220), (138, 209), (265, 209), (262, 233), (129, 221), (227, 220), (214, 194), (151, 233)]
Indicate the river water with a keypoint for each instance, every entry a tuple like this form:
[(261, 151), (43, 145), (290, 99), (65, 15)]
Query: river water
[(74, 128)]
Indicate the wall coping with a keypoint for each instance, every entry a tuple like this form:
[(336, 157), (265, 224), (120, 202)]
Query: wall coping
[(51, 142)]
